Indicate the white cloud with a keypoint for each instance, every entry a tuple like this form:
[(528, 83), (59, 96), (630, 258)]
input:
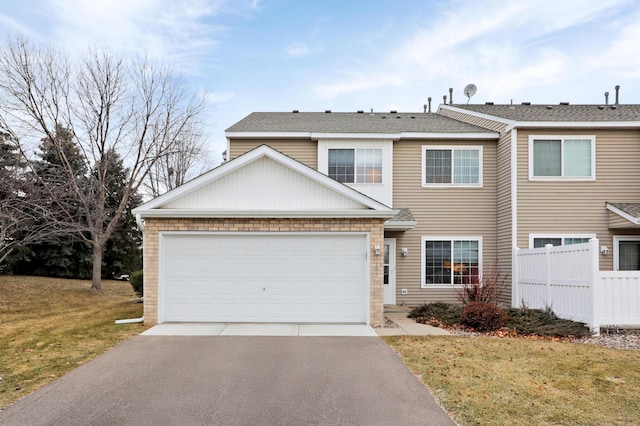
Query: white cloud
[(159, 28), (508, 44)]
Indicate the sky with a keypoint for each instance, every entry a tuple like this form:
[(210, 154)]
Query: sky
[(349, 55)]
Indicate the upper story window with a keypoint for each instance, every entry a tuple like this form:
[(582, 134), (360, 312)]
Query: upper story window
[(452, 166), (566, 158), (355, 165)]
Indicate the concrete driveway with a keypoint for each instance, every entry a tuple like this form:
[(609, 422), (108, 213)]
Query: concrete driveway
[(240, 380)]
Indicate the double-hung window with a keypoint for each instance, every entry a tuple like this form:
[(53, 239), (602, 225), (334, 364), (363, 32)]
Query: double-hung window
[(566, 158), (452, 166), (450, 260), (360, 165)]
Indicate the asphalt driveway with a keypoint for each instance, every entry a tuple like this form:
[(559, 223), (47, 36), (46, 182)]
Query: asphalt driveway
[(240, 380)]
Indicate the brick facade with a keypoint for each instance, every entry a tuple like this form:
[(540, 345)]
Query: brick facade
[(374, 227)]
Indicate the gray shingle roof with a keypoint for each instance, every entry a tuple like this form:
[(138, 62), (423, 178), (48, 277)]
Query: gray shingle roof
[(351, 122), (559, 112), (632, 209)]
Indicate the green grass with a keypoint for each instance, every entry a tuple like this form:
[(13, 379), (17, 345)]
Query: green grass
[(524, 381), (50, 326)]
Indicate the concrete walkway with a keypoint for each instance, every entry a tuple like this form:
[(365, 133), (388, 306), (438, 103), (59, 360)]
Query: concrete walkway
[(408, 327)]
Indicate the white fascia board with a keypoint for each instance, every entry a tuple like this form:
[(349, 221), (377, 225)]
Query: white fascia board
[(625, 215), (257, 153), (417, 135), (477, 114), (578, 124), (267, 135), (399, 225), (208, 213), (342, 136)]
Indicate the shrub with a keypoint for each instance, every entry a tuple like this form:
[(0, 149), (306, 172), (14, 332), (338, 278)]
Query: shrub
[(543, 323), (445, 313), (137, 281), (483, 316), (487, 289)]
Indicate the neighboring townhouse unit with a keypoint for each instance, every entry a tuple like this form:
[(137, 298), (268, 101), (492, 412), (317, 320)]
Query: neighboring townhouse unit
[(471, 182)]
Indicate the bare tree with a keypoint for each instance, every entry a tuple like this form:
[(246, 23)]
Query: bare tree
[(189, 159), (136, 108)]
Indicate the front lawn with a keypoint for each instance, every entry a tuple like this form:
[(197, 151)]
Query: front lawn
[(50, 326), (526, 381)]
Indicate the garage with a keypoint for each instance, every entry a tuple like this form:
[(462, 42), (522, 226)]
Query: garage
[(264, 277), (263, 238)]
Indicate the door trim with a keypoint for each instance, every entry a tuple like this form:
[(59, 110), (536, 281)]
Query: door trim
[(389, 297)]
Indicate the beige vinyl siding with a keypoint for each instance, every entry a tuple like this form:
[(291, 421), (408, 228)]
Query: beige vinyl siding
[(579, 207), (504, 211), (303, 150), (618, 222), (452, 212), (471, 119)]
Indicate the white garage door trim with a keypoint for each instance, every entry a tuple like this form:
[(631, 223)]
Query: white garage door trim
[(280, 240)]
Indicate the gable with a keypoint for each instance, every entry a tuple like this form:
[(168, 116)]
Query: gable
[(264, 185)]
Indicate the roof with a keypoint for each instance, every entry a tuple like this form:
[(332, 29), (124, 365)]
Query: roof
[(307, 192), (403, 221), (549, 112), (351, 122), (629, 211)]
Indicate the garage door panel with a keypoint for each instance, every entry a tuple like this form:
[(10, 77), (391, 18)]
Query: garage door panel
[(274, 277)]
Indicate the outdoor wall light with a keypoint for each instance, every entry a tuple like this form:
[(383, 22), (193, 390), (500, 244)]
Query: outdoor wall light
[(404, 251), (376, 250), (604, 250)]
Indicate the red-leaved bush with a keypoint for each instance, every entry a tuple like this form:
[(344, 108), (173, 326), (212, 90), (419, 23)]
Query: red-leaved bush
[(483, 316)]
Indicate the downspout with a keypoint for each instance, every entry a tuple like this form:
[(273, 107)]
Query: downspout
[(130, 320)]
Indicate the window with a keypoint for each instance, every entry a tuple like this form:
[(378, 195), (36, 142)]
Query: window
[(450, 261), (627, 256), (537, 241), (355, 165), (571, 158), (452, 166)]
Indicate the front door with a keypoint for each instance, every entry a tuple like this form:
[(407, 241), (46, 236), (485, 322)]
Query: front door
[(389, 271)]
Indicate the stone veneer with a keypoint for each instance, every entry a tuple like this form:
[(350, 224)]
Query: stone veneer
[(153, 226)]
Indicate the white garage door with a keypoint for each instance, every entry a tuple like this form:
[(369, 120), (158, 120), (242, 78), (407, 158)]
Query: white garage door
[(264, 277)]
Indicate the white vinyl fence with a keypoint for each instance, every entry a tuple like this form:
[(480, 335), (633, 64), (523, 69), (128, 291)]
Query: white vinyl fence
[(568, 280)]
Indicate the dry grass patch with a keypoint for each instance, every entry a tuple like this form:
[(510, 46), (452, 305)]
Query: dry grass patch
[(49, 326), (521, 381)]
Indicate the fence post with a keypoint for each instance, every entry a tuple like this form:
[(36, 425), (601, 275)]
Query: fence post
[(594, 279), (547, 258), (515, 279)]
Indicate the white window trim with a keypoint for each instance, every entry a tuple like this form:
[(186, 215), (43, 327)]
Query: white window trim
[(423, 258), (478, 148), (616, 248), (561, 236), (355, 148), (562, 138)]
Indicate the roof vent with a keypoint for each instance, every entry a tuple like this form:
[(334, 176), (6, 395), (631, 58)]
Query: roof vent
[(397, 116), (360, 111), (413, 116), (384, 116), (564, 103), (295, 111), (600, 107), (327, 111), (393, 111), (614, 106), (488, 103), (526, 103), (549, 107)]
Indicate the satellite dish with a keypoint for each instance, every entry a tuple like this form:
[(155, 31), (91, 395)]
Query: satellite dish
[(470, 90)]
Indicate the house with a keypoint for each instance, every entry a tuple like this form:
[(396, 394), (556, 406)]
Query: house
[(326, 217)]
